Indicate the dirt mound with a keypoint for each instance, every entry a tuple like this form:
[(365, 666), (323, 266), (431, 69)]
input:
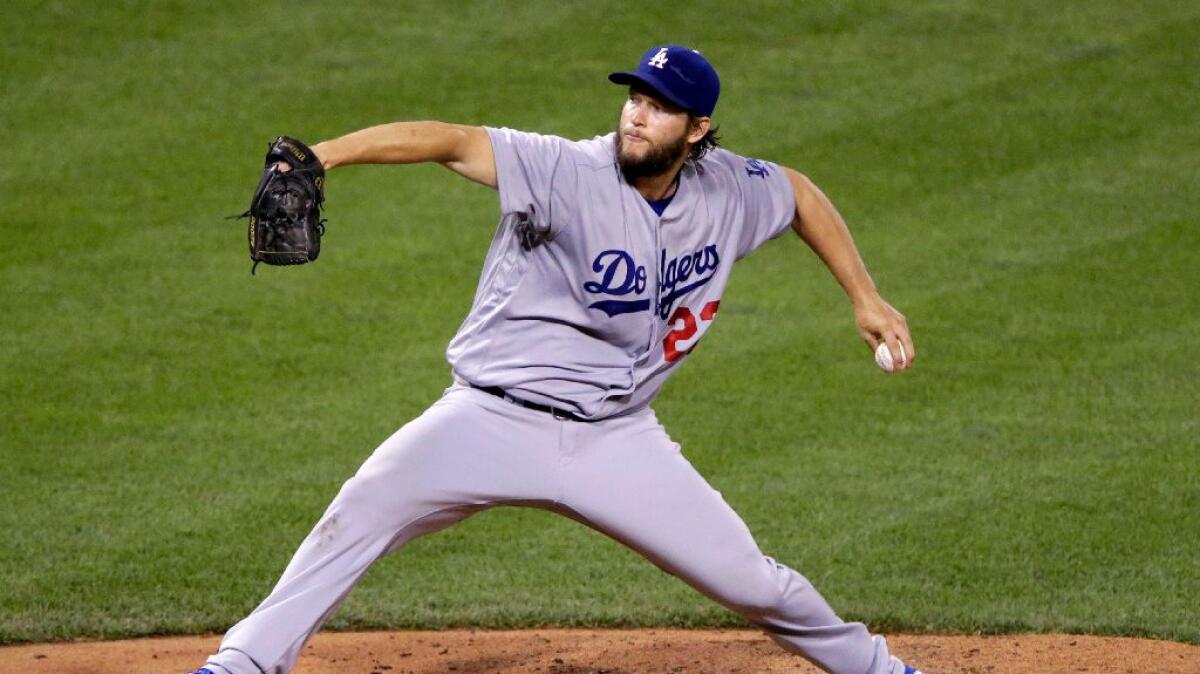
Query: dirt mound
[(612, 652)]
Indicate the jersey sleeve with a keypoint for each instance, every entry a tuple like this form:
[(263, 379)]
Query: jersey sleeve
[(768, 199), (526, 166)]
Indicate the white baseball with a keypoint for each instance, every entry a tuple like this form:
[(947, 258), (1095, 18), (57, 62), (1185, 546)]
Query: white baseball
[(883, 357)]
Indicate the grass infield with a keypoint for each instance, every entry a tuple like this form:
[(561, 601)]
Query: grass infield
[(1020, 177)]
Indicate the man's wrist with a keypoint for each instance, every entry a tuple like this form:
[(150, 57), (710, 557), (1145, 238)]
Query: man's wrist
[(863, 297), (324, 154)]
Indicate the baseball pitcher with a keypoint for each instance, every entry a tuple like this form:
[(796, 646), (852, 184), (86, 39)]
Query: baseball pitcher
[(607, 268)]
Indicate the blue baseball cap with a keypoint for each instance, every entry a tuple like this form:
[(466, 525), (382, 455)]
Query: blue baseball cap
[(678, 74)]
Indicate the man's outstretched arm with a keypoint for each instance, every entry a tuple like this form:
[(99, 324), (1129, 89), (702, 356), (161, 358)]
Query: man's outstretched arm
[(466, 150), (822, 228)]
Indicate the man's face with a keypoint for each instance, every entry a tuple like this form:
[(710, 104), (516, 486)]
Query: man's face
[(652, 135)]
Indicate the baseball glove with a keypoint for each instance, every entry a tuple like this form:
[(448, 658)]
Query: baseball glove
[(285, 213)]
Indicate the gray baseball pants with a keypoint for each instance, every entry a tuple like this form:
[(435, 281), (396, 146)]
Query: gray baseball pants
[(621, 476)]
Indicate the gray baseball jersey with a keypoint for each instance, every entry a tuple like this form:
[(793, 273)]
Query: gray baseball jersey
[(588, 298)]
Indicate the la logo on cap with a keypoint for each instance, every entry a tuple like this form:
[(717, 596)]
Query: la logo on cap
[(659, 60)]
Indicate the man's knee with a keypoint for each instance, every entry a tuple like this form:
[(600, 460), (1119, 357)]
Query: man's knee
[(773, 593), (755, 591)]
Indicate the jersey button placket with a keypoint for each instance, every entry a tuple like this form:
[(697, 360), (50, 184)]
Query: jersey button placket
[(654, 318)]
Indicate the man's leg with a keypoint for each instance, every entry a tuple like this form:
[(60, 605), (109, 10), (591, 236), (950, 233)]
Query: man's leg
[(628, 479), (467, 452)]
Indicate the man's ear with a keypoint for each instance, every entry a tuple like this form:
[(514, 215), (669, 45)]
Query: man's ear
[(699, 127)]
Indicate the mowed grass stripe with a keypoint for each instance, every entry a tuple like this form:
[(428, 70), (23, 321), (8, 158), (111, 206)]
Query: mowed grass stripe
[(137, 386)]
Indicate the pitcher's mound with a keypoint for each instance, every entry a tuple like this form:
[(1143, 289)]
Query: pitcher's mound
[(648, 651)]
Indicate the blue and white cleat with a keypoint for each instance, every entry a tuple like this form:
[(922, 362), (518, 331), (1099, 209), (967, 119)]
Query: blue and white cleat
[(894, 662), (206, 670)]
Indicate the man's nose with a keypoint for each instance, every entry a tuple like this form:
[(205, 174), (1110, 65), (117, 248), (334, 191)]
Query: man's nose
[(638, 115)]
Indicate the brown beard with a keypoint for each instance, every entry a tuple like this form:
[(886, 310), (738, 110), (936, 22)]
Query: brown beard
[(658, 159)]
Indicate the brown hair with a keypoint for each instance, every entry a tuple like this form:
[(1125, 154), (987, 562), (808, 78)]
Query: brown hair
[(708, 142)]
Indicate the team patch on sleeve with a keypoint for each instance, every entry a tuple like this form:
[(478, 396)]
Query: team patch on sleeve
[(756, 167)]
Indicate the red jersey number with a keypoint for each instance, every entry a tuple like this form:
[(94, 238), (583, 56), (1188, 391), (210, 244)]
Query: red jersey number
[(686, 329)]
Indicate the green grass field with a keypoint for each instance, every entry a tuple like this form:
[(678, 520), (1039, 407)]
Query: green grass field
[(1021, 178)]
